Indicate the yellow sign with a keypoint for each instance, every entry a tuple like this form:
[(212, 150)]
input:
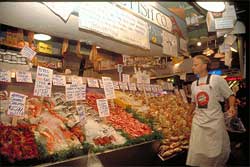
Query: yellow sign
[(44, 48)]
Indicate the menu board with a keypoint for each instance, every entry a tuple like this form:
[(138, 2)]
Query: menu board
[(132, 86), (108, 88), (59, 80), (116, 85), (75, 92), (17, 104), (125, 78), (92, 83), (23, 76), (123, 85), (43, 82), (28, 52), (169, 44), (5, 76), (103, 108), (109, 20)]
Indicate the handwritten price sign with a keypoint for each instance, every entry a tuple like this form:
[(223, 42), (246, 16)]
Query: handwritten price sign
[(23, 76), (17, 104), (59, 80), (108, 88), (92, 83), (103, 108)]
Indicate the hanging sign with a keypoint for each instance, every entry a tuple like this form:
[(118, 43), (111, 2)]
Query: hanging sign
[(103, 108), (28, 52), (23, 76), (43, 82), (123, 85), (125, 78), (59, 80), (132, 86), (115, 23), (92, 83), (5, 76), (116, 85), (169, 44), (17, 104), (108, 88)]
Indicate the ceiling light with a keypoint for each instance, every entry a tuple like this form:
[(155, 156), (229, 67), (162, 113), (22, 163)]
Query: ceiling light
[(225, 35), (212, 6), (42, 37), (98, 47), (198, 43)]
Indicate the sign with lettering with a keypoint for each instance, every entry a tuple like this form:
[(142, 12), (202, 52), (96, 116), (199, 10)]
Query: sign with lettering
[(75, 92), (5, 76), (23, 76), (123, 85), (103, 108), (147, 87), (108, 87), (110, 20), (17, 104), (81, 112), (76, 80), (59, 80), (132, 86), (143, 78), (154, 88), (116, 85), (169, 44), (80, 92), (92, 83), (125, 78), (43, 82), (224, 23), (140, 86), (28, 52), (100, 82)]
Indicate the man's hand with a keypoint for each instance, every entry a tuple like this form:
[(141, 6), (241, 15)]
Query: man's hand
[(232, 112)]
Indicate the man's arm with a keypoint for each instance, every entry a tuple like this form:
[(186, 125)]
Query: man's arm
[(232, 111)]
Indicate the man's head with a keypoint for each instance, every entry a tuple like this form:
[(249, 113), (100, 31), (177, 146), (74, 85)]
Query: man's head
[(200, 64)]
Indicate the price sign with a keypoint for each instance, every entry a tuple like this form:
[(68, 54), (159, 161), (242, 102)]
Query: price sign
[(59, 80), (100, 82), (17, 104), (132, 86), (5, 76), (28, 52), (140, 86), (154, 88), (75, 92), (143, 78), (123, 85), (103, 108), (119, 68), (147, 87), (43, 82), (125, 78), (116, 85), (159, 88), (92, 83), (76, 80), (81, 112), (184, 97), (23, 76), (108, 88)]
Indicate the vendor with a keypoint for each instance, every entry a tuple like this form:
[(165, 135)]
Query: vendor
[(209, 141)]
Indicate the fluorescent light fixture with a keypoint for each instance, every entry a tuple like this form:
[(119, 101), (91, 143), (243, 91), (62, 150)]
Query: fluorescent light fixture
[(212, 6), (98, 47), (198, 43), (42, 37), (234, 47)]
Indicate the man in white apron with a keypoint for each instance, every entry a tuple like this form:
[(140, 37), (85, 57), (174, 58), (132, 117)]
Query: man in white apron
[(209, 141)]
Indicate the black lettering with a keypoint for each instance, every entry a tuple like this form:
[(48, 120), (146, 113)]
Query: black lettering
[(145, 11), (163, 21)]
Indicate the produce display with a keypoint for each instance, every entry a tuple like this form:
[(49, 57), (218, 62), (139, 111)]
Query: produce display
[(170, 114)]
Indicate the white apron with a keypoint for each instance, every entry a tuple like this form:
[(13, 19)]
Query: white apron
[(209, 141)]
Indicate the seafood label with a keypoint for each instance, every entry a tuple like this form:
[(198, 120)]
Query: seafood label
[(75, 92), (76, 80), (123, 85), (92, 82), (116, 85), (132, 86), (17, 104), (23, 76), (5, 76), (100, 82), (28, 52), (81, 111), (108, 88), (59, 80), (103, 108), (80, 92), (43, 82), (125, 78)]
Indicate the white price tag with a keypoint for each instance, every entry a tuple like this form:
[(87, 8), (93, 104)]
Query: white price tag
[(116, 85), (100, 83), (81, 112), (103, 108), (43, 82), (132, 86), (154, 88), (108, 88), (17, 104), (59, 80), (5, 76), (147, 87), (28, 52), (23, 76), (75, 92), (76, 80), (80, 92), (92, 82), (123, 85), (125, 78)]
